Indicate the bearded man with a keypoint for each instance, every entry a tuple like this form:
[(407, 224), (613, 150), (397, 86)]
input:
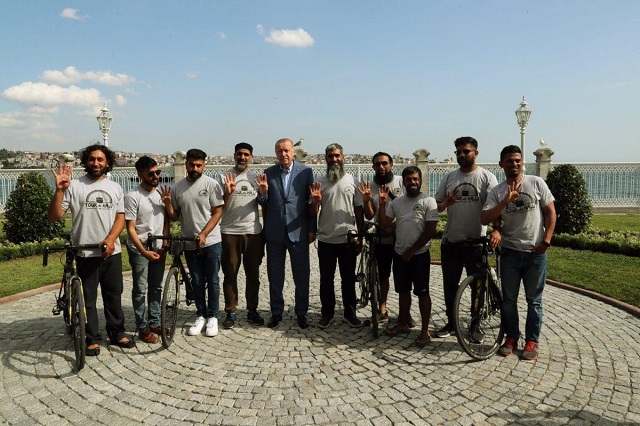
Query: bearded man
[(336, 200)]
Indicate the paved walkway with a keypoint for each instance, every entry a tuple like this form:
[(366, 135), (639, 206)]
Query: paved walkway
[(588, 372)]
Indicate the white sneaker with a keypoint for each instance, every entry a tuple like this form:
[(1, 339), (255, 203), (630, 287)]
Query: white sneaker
[(197, 327), (212, 327)]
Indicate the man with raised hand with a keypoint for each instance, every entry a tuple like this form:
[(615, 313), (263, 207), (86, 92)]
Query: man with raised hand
[(283, 193), (336, 200), (416, 217), (97, 217), (383, 167), (462, 193), (145, 214), (197, 201), (524, 206), (242, 238)]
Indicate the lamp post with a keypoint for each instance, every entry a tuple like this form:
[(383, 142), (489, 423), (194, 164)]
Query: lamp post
[(522, 115), (104, 124)]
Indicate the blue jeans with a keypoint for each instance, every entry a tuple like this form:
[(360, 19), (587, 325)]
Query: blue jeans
[(147, 283), (531, 268), (204, 267)]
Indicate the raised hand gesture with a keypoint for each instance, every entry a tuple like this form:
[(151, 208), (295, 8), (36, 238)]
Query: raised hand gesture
[(261, 181), (165, 195), (230, 183), (63, 176), (365, 190), (452, 198), (383, 194), (513, 191), (316, 192)]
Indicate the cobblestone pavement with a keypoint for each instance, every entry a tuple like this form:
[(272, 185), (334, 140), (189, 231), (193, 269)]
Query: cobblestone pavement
[(588, 372)]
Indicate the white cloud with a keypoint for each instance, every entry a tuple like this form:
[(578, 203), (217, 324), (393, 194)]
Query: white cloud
[(72, 75), (260, 29), (192, 74), (29, 121), (290, 38), (42, 94), (121, 100), (70, 13), (221, 36)]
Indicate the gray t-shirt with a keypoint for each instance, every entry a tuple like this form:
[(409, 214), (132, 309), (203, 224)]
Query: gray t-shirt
[(195, 201), (147, 209), (94, 205), (396, 189), (463, 217), (337, 209), (411, 215), (240, 215), (522, 219)]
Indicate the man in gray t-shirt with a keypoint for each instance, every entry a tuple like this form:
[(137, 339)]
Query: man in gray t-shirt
[(338, 202), (524, 205), (462, 193), (97, 217), (145, 214), (242, 237), (197, 201)]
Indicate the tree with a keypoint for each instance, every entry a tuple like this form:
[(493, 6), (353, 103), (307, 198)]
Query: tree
[(573, 207), (26, 211)]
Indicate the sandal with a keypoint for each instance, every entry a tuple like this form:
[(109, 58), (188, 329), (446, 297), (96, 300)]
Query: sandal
[(396, 330), (126, 342), (93, 350), (423, 340)]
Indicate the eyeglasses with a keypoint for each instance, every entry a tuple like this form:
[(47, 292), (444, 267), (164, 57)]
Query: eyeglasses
[(462, 151), (154, 173), (381, 163)]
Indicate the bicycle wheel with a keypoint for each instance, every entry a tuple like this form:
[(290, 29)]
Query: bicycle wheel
[(478, 313), (169, 309), (361, 279), (373, 284), (78, 322)]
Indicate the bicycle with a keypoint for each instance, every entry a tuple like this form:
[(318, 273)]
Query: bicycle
[(176, 277), (478, 305), (70, 299), (367, 275)]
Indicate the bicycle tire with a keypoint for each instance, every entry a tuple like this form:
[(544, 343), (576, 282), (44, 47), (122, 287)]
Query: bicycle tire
[(478, 313), (78, 320), (169, 308), (373, 283)]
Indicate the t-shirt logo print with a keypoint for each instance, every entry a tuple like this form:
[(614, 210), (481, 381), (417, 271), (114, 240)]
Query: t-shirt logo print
[(467, 193), (99, 200), (203, 193), (522, 204)]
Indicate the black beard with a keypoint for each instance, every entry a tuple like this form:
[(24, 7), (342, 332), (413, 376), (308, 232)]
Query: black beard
[(383, 179), (103, 171), (412, 192), (464, 163), (194, 175)]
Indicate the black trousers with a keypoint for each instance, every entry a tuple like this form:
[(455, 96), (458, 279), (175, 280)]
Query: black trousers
[(107, 273), (345, 256), (453, 259)]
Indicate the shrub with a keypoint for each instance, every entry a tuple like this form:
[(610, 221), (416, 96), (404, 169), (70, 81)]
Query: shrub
[(573, 207), (26, 211)]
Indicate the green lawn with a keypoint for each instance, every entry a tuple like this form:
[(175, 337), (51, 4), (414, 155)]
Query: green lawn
[(617, 222)]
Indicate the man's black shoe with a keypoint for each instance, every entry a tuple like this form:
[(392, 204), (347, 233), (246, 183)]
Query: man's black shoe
[(303, 321), (274, 321)]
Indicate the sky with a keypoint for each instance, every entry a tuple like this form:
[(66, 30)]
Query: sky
[(394, 76)]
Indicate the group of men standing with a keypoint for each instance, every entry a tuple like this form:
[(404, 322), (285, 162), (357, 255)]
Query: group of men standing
[(222, 217)]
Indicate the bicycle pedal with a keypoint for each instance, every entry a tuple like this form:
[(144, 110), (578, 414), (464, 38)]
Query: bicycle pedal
[(56, 310)]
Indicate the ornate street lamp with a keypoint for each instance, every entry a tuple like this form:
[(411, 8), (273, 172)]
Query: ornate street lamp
[(522, 115), (104, 124)]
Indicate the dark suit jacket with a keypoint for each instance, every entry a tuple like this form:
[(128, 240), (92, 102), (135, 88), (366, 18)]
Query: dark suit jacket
[(288, 215)]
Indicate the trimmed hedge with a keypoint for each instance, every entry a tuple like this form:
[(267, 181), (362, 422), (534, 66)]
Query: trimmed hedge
[(616, 242)]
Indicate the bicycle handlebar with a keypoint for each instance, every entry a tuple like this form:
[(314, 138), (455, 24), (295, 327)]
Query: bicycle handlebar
[(151, 238), (367, 234), (68, 247)]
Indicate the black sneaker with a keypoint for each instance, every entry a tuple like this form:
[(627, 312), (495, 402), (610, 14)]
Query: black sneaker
[(411, 322), (446, 331), (353, 322), (229, 321), (254, 318), (325, 322)]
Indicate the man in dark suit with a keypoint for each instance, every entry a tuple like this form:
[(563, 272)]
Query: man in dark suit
[(283, 193)]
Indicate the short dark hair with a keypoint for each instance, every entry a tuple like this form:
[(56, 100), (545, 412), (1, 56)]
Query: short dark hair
[(243, 145), (145, 162), (379, 154), (111, 157), (409, 170), (196, 154), (466, 140), (509, 149)]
